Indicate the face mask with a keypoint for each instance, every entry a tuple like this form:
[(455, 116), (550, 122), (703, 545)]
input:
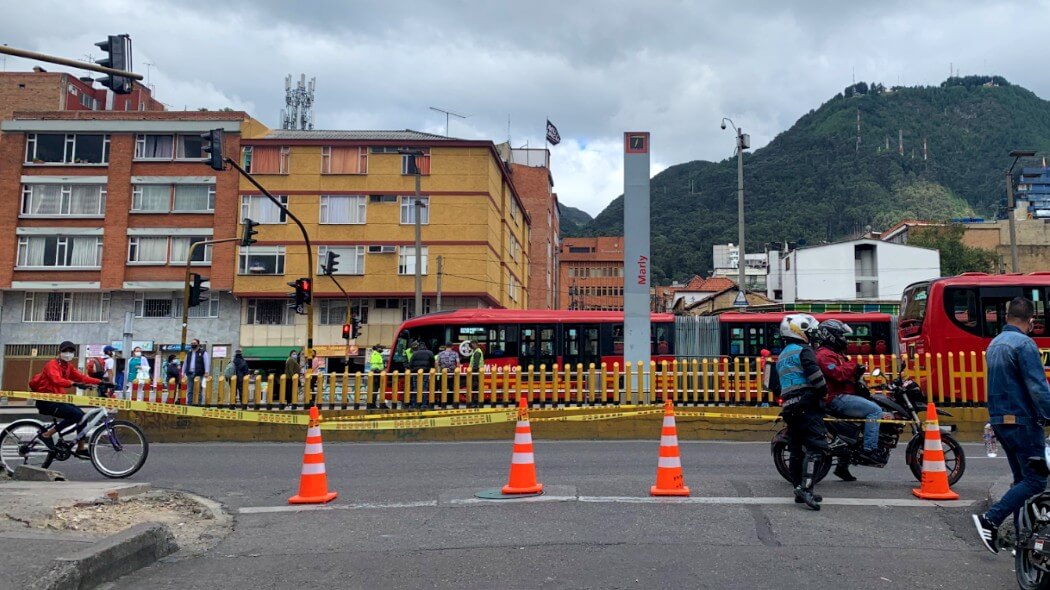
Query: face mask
[(138, 353), (66, 356), (295, 357), (194, 346)]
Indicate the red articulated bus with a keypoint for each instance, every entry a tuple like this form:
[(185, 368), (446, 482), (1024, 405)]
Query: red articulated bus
[(532, 337), (956, 318), (747, 334)]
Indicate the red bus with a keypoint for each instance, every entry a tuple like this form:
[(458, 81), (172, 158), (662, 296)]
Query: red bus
[(511, 337), (747, 334), (963, 313)]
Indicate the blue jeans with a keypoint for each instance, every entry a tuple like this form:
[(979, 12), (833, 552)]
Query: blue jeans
[(1019, 443), (860, 407), (419, 393)]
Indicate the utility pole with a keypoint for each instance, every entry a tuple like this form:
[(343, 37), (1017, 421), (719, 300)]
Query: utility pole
[(417, 208), (441, 269), (743, 142)]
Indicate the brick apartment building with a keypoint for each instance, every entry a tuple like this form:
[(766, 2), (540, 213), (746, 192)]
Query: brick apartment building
[(531, 175), (591, 274), (98, 212), (41, 90)]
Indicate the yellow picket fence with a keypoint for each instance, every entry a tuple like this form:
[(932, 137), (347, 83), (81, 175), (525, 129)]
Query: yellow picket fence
[(952, 379)]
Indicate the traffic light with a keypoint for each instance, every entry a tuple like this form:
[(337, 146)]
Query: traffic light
[(301, 297), (331, 264), (346, 332), (118, 56), (197, 289), (356, 325), (211, 144), (249, 231)]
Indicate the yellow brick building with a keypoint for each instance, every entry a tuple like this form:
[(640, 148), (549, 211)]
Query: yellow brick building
[(353, 192)]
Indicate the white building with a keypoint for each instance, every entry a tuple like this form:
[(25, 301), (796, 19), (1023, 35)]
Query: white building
[(847, 271), (725, 259)]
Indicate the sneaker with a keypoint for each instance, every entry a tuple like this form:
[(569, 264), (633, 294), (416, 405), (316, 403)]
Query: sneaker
[(877, 457), (85, 454), (807, 497), (48, 441), (816, 497), (988, 532)]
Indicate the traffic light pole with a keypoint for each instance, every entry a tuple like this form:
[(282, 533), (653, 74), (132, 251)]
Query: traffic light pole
[(309, 253), (348, 315), (80, 65), (186, 290)]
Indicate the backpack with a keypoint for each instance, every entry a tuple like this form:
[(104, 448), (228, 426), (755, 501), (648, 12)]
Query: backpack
[(95, 367), (230, 371), (36, 381)]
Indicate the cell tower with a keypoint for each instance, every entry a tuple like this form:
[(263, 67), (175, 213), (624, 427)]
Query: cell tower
[(299, 104)]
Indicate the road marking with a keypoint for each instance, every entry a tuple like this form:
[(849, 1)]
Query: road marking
[(714, 500)]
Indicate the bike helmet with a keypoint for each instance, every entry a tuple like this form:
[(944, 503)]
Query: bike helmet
[(799, 326), (833, 334)]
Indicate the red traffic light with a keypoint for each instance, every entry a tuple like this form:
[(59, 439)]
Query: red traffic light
[(346, 331)]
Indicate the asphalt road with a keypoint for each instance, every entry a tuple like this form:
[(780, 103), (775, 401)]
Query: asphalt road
[(405, 518)]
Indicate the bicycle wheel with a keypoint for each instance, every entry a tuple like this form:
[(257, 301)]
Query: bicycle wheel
[(18, 447), (119, 450)]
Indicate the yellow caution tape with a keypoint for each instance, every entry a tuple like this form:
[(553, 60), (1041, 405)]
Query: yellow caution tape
[(417, 423)]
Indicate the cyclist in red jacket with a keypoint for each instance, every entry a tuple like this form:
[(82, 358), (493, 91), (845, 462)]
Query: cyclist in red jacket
[(57, 376)]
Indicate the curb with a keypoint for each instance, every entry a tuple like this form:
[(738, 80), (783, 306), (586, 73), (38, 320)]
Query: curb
[(112, 557)]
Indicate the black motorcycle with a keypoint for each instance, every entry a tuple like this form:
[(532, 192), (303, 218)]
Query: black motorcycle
[(900, 398), (1032, 546)]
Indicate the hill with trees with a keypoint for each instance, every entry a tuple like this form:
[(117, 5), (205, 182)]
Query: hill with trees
[(931, 153)]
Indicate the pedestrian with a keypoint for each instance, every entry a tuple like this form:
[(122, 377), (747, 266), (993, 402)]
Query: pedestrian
[(172, 375), (422, 360), (448, 362), (240, 371), (800, 384), (1018, 409), (375, 366), (477, 365), (291, 371), (198, 366), (109, 367), (138, 374)]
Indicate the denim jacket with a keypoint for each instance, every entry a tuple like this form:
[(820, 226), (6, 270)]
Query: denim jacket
[(1017, 388)]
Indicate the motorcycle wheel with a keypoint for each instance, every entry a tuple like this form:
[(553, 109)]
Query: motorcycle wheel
[(1029, 576), (954, 456), (781, 457)]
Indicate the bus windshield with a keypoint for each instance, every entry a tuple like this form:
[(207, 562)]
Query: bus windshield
[(913, 310)]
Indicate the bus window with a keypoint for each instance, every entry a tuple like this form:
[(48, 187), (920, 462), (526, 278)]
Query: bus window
[(961, 306), (776, 342), (617, 339), (913, 309), (661, 342), (736, 340), (1037, 295)]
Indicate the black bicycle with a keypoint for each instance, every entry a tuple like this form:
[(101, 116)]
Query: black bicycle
[(116, 448)]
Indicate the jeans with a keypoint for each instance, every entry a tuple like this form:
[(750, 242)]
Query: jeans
[(419, 393), (1019, 443), (67, 413), (190, 390), (856, 406)]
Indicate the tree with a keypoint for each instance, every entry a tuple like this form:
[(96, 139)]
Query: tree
[(956, 257)]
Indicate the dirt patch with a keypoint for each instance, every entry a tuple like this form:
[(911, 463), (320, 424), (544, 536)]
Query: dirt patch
[(196, 524)]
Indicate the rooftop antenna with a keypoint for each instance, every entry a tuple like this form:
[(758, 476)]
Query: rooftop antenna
[(149, 66), (299, 103), (447, 113)]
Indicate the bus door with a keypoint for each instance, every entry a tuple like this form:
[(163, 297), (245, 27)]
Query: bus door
[(580, 345), (537, 346)]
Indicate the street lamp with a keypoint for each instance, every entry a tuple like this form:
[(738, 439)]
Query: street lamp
[(413, 168), (1016, 155), (743, 142)]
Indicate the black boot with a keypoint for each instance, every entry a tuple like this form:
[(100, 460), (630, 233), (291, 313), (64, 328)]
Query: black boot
[(804, 492), (807, 497), (842, 471)]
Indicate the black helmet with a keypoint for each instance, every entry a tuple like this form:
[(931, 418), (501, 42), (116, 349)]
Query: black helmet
[(67, 346), (833, 334)]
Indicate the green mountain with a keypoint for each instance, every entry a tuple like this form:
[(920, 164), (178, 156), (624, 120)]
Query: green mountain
[(817, 181), (573, 220)]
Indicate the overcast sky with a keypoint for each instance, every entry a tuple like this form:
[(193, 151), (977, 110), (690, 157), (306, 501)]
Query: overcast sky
[(596, 69)]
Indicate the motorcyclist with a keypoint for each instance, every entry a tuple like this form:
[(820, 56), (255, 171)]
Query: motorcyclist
[(58, 375), (801, 388), (841, 375)]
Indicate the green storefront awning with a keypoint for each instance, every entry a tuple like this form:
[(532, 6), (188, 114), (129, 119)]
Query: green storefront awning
[(267, 353)]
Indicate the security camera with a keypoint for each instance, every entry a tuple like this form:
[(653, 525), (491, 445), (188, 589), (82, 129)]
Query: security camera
[(723, 124)]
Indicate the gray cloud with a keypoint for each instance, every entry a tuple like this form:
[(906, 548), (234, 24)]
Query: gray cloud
[(595, 68)]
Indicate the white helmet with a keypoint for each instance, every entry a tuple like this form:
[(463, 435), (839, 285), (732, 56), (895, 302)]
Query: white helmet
[(799, 326)]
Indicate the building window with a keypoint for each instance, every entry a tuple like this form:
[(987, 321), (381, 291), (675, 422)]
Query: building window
[(515, 211), (189, 147), (260, 209), (343, 209), (194, 198), (512, 287), (63, 148), (344, 160), (382, 198), (406, 260), (66, 307), (333, 311), (580, 250), (387, 303), (180, 247), (267, 160), (408, 210), (148, 249), (168, 305), (151, 198), (154, 147), (408, 308), (63, 200), (88, 101), (351, 259), (423, 162), (261, 260), (267, 312), (515, 248), (59, 252)]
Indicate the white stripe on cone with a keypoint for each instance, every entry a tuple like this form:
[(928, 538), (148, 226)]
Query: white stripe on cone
[(933, 466), (313, 431), (933, 427), (313, 449), (668, 421), (522, 438), (670, 462), (522, 458), (523, 423), (313, 468), (932, 445), (669, 440)]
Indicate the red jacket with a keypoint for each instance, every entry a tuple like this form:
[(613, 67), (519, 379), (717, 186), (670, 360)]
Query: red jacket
[(839, 372), (57, 376)]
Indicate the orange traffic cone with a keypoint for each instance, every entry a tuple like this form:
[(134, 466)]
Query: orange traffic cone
[(669, 479), (934, 475), (313, 483), (523, 464)]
